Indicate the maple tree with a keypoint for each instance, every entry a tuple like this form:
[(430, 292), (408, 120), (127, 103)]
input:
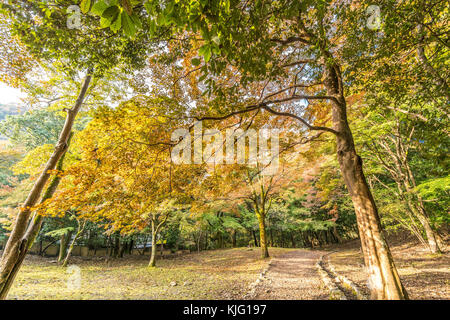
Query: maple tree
[(311, 68)]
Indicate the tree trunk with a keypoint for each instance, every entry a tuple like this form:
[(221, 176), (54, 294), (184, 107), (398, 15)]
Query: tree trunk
[(65, 239), (383, 276), (20, 239), (116, 246), (421, 212), (233, 238), (81, 226), (46, 247), (336, 235), (198, 241), (406, 178), (430, 233), (262, 235), (153, 254), (255, 238), (130, 247), (123, 248)]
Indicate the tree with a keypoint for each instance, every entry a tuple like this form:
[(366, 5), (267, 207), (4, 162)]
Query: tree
[(390, 145), (272, 44), (158, 218), (400, 77), (125, 177), (49, 40)]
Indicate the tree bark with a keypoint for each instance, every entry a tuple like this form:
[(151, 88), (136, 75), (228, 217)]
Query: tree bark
[(65, 239), (262, 235), (153, 254), (116, 250), (81, 226), (130, 246), (255, 238), (336, 235), (383, 276)]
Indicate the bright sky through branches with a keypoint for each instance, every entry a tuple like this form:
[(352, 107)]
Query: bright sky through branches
[(9, 95)]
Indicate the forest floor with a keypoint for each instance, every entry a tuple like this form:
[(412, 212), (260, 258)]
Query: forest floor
[(425, 276), (215, 274), (229, 274)]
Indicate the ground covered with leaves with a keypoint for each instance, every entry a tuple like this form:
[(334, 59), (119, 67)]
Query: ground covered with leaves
[(228, 274), (425, 276), (217, 274)]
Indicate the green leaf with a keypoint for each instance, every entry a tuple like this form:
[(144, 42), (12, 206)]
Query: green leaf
[(152, 27), (104, 23), (99, 7), (117, 24), (85, 5), (195, 61), (128, 25), (205, 51), (111, 13), (137, 22)]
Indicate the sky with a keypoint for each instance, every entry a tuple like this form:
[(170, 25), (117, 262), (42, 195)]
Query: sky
[(9, 95)]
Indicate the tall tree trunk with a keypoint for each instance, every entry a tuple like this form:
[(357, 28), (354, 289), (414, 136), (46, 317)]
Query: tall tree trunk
[(383, 276), (20, 238)]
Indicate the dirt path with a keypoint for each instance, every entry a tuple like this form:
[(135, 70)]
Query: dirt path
[(293, 276)]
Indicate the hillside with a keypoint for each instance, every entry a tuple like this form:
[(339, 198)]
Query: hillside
[(6, 110)]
